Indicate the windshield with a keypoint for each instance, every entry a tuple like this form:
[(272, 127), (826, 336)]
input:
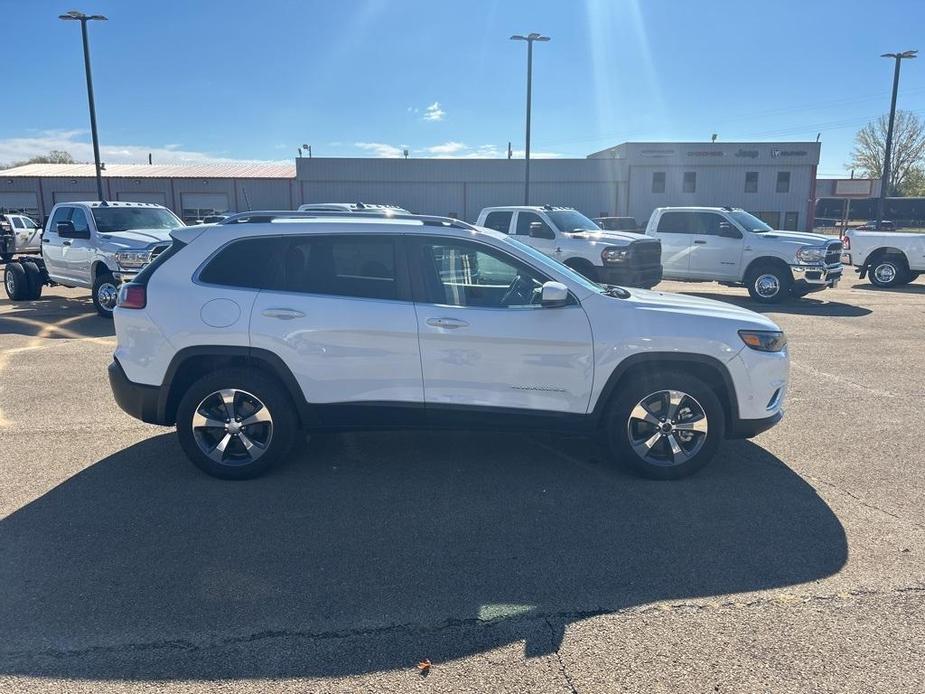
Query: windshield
[(570, 220), (546, 261), (749, 222), (109, 219)]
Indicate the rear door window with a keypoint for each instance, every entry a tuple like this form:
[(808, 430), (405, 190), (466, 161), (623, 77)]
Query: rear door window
[(675, 223), (255, 263), (499, 221), (17, 222)]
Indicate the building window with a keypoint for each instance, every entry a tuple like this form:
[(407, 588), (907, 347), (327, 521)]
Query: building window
[(791, 221), (690, 182), (658, 181), (751, 181), (783, 181), (772, 219)]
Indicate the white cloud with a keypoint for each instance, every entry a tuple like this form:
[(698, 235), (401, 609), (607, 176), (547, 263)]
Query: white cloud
[(380, 149), (77, 143), (519, 154), (434, 112), (447, 148)]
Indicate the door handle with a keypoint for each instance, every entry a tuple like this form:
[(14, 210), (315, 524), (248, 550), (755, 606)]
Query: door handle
[(46, 240), (65, 243), (283, 313), (448, 323), (701, 243)]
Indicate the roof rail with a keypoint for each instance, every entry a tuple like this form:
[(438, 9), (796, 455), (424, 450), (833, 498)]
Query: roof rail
[(262, 216)]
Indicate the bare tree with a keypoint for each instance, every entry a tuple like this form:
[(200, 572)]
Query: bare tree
[(908, 154)]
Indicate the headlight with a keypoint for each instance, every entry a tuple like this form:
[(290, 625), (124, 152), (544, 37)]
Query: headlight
[(133, 259), (811, 254), (764, 340), (615, 255)]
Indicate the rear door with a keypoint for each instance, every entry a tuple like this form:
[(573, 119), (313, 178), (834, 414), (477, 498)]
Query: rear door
[(674, 231), (716, 248), (341, 318), (485, 339)]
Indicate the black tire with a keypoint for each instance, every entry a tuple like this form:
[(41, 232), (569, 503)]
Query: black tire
[(627, 435), (34, 276), (234, 463), (584, 268), (105, 290), (888, 271), (16, 282), (769, 283)]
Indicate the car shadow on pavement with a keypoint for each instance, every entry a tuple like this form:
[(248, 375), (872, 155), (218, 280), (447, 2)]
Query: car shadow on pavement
[(55, 317), (902, 289), (806, 306), (370, 552)]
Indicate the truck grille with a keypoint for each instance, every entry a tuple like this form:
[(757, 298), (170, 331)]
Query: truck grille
[(833, 253), (646, 253)]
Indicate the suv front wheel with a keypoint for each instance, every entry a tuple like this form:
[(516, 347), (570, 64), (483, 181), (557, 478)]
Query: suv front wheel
[(665, 426), (235, 424)]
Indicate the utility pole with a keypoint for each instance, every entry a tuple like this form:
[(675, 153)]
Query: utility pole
[(888, 153), (74, 15), (529, 38)]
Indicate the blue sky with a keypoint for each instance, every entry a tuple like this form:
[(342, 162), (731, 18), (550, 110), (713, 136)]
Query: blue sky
[(209, 80)]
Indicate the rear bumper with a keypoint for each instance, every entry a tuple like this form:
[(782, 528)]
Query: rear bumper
[(749, 428), (632, 277), (139, 401)]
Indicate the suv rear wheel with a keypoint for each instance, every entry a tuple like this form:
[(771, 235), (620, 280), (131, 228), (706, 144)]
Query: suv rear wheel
[(665, 426), (235, 424)]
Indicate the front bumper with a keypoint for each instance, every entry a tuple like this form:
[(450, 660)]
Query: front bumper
[(817, 276), (139, 401), (629, 276), (124, 276), (750, 428)]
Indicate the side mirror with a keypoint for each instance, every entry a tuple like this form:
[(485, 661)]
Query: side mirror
[(554, 294), (66, 230), (728, 231), (538, 230)]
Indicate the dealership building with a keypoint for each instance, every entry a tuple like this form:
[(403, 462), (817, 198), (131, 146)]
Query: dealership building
[(776, 181)]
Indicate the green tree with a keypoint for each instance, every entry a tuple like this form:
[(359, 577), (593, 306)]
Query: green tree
[(908, 155), (55, 156)]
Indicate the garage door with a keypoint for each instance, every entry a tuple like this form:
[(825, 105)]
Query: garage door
[(73, 196), (199, 205), (21, 203), (158, 198)]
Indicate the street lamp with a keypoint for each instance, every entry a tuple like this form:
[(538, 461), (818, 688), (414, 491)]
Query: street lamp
[(76, 16), (885, 179), (529, 38)]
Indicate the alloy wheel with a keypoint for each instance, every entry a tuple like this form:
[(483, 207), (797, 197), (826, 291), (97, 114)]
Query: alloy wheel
[(667, 427), (232, 427)]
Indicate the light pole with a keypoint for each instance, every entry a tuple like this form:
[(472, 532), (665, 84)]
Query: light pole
[(529, 38), (76, 16), (885, 179)]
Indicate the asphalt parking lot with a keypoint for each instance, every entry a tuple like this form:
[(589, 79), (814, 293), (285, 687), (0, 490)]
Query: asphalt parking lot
[(794, 562)]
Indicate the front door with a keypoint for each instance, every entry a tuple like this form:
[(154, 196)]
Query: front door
[(716, 247), (485, 339), (534, 231), (77, 254), (52, 245), (340, 316)]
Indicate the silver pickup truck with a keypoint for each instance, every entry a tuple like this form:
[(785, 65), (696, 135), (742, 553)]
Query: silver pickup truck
[(96, 245), (18, 234)]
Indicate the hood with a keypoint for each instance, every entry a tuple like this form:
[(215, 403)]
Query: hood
[(800, 237), (137, 238), (610, 236), (697, 306)]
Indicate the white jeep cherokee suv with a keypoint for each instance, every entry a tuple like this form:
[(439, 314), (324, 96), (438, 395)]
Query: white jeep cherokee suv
[(268, 323), (611, 257), (733, 247)]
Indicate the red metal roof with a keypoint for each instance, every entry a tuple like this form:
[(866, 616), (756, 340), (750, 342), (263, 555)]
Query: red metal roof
[(230, 170)]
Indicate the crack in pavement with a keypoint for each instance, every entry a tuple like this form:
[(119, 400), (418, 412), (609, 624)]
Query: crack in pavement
[(565, 617), (553, 635)]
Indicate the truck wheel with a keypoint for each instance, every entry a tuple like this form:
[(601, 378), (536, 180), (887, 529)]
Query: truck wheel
[(769, 284), (234, 424), (16, 283), (34, 277), (888, 271), (665, 426), (584, 268), (105, 293)]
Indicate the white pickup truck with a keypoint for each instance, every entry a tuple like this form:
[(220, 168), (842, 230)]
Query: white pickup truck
[(96, 245), (18, 234), (732, 247), (889, 258), (610, 257)]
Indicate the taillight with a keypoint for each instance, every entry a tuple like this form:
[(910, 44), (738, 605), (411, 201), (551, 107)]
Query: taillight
[(132, 296), (846, 243)]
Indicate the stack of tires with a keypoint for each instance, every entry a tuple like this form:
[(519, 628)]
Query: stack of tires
[(23, 280)]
